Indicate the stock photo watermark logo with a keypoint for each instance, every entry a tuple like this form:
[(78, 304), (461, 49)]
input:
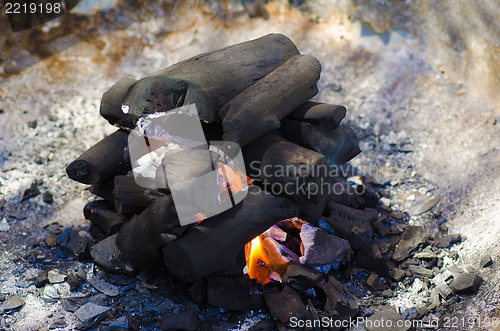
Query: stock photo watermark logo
[(169, 151), (26, 14)]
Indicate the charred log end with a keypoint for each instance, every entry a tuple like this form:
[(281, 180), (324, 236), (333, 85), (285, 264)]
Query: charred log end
[(81, 171), (112, 100)]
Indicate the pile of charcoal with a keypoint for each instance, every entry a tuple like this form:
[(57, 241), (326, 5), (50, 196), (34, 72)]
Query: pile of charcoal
[(253, 97)]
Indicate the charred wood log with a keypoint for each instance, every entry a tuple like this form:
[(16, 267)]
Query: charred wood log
[(103, 215), (106, 159), (216, 242), (208, 80), (338, 145), (131, 198), (140, 240), (321, 114), (285, 168), (260, 107), (104, 190)]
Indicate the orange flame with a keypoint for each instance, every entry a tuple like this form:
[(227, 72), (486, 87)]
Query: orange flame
[(257, 261)]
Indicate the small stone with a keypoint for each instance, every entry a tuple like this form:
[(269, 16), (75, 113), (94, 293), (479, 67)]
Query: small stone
[(387, 293), (466, 283), (68, 305), (420, 271), (187, 320), (120, 323), (51, 241), (32, 191), (4, 225), (486, 261), (372, 280), (13, 302), (90, 313), (104, 287), (55, 277), (47, 197), (73, 282), (411, 239), (42, 279), (75, 243), (447, 240), (397, 274), (389, 315)]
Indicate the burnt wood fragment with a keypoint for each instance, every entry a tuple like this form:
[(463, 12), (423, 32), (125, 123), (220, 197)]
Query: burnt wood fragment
[(75, 243), (140, 240), (103, 215), (260, 107), (301, 277), (411, 239), (285, 304), (208, 80), (106, 159), (215, 243), (321, 248), (340, 304)]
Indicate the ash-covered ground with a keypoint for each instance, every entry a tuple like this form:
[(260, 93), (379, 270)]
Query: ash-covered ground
[(423, 103)]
